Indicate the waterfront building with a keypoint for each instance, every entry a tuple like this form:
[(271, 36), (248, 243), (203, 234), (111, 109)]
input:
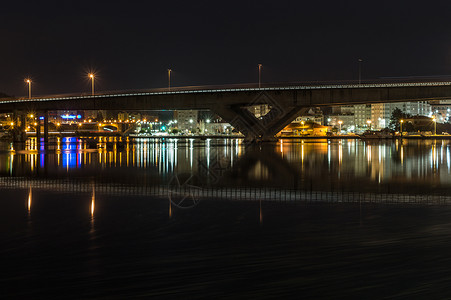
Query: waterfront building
[(314, 114), (362, 113), (347, 121), (441, 110), (186, 120), (304, 129), (122, 116), (381, 112)]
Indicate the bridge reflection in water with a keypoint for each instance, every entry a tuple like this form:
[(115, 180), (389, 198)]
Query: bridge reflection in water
[(188, 169), (115, 220)]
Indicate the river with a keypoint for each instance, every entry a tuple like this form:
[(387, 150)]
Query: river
[(220, 218)]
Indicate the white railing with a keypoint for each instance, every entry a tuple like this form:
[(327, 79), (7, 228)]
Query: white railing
[(199, 90)]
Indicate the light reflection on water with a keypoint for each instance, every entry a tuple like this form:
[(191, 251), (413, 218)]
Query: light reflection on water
[(290, 163), (129, 245)]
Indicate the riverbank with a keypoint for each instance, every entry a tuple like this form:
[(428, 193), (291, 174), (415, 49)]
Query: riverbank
[(221, 136)]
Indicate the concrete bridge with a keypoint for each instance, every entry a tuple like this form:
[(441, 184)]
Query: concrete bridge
[(230, 102)]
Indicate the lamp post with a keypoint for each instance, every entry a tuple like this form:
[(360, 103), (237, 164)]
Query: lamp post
[(91, 75), (369, 124), (339, 123), (169, 78), (400, 123), (435, 125), (28, 81), (360, 70), (259, 75)]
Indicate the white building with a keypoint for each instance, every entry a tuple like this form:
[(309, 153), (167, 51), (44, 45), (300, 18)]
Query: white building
[(345, 121), (186, 120), (381, 112), (441, 110), (362, 113)]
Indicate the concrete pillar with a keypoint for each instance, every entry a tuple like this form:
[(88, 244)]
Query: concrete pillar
[(22, 121), (254, 129), (19, 126), (38, 131), (46, 127)]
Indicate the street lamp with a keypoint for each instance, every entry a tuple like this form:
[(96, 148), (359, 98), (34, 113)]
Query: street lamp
[(339, 123), (91, 75), (435, 125), (400, 123), (169, 78), (259, 75), (369, 124), (360, 70), (28, 81)]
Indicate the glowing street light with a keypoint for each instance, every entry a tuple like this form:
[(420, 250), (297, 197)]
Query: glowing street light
[(169, 78), (259, 75), (28, 81), (339, 123), (369, 124), (400, 123), (91, 75), (435, 125)]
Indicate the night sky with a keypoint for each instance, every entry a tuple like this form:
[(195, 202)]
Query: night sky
[(131, 44)]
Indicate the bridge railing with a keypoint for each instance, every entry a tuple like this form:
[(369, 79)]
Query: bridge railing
[(392, 81)]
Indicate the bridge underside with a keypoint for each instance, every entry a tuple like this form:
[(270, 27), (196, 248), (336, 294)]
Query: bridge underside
[(258, 129), (232, 105)]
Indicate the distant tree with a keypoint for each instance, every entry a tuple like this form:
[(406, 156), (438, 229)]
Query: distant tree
[(396, 116), (3, 95)]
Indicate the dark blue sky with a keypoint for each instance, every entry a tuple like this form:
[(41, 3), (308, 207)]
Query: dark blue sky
[(131, 44)]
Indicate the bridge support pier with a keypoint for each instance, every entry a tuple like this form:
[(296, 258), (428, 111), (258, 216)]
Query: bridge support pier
[(259, 129), (46, 127), (19, 134), (38, 131)]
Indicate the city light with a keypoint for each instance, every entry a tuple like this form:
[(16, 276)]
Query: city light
[(401, 121), (435, 125), (28, 81), (92, 76), (169, 79)]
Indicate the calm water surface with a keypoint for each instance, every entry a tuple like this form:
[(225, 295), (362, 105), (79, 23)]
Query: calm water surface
[(142, 219)]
